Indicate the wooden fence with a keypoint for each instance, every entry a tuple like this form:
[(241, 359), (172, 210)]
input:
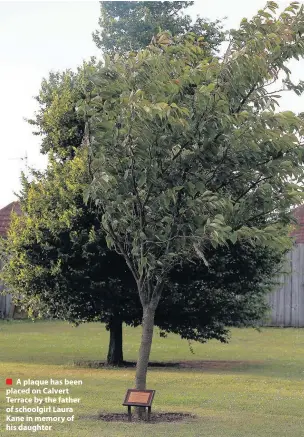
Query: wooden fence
[(287, 302), (5, 306), (5, 302)]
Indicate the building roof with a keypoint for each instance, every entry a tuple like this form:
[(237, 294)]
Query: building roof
[(5, 216), (298, 233)]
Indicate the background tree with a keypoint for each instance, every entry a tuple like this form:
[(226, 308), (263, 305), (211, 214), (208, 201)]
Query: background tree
[(189, 153), (57, 260), (57, 121), (128, 25), (203, 302)]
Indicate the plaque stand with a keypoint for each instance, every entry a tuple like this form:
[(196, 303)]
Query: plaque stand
[(147, 411), (139, 398)]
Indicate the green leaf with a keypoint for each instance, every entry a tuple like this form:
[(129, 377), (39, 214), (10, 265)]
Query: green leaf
[(142, 180), (210, 87), (233, 237), (201, 187)]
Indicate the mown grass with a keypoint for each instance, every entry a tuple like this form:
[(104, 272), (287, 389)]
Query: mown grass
[(263, 397)]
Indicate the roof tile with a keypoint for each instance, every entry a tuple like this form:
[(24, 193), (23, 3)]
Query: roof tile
[(298, 233), (5, 216)]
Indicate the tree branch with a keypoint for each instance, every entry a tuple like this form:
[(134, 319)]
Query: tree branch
[(251, 187), (245, 98)]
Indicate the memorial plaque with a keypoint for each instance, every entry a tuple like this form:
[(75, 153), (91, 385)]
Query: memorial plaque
[(139, 398)]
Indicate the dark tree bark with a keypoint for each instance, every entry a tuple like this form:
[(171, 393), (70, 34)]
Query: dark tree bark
[(115, 352)]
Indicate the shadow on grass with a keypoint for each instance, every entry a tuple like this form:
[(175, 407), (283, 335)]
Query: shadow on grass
[(200, 365), (254, 368)]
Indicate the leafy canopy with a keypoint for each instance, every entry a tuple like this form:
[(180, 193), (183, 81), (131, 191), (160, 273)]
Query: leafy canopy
[(188, 149), (57, 121), (130, 25), (56, 258)]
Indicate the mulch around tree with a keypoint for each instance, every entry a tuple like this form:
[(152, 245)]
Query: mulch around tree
[(190, 364), (157, 417)]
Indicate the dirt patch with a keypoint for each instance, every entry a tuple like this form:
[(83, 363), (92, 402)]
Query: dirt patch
[(155, 417), (191, 364)]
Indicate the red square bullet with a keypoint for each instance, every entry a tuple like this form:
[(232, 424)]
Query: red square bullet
[(9, 381)]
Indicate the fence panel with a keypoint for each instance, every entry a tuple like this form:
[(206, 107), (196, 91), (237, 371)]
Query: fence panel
[(287, 302)]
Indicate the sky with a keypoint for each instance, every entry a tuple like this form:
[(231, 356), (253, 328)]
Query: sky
[(42, 36)]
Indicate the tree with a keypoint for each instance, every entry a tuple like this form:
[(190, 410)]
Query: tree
[(63, 128), (58, 262), (189, 153), (131, 25)]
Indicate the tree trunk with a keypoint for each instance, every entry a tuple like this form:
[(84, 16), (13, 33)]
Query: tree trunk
[(115, 352), (145, 347)]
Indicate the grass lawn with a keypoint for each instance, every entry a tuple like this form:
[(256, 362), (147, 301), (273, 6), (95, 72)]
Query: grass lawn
[(262, 397)]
